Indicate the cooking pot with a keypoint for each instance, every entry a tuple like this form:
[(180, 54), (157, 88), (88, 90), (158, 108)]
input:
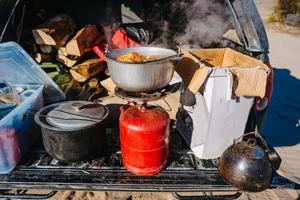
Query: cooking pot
[(245, 165), (72, 130), (142, 77)]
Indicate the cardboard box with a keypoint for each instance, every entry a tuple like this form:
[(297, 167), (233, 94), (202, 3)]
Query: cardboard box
[(225, 83), (250, 75)]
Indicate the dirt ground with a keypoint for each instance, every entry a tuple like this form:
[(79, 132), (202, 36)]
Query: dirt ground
[(283, 118), (282, 126)]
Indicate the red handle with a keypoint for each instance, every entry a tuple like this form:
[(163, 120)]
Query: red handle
[(99, 50), (119, 40)]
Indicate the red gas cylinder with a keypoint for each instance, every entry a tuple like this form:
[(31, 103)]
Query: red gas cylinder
[(145, 136)]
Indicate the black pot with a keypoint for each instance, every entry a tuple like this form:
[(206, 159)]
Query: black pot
[(70, 144)]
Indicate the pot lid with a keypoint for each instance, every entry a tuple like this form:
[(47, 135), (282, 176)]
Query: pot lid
[(77, 114), (250, 150)]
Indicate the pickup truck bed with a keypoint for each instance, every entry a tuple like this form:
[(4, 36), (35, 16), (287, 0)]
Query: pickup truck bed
[(185, 172)]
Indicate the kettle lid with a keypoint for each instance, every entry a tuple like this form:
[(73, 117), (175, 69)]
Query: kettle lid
[(249, 149)]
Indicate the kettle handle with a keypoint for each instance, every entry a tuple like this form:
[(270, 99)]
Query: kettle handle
[(246, 134), (250, 141)]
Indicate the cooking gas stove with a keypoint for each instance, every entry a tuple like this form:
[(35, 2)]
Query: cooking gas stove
[(147, 96), (166, 98)]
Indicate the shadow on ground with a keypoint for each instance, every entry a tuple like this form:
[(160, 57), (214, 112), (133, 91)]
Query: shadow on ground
[(282, 123)]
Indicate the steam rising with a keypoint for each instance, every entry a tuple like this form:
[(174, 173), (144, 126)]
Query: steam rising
[(109, 31), (195, 22)]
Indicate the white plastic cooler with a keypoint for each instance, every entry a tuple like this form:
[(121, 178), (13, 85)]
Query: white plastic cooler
[(210, 126)]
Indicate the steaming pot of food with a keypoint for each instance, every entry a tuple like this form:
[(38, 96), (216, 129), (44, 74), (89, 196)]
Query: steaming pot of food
[(141, 69)]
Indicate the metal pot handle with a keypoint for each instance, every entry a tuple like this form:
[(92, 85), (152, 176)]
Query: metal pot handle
[(178, 57), (176, 60)]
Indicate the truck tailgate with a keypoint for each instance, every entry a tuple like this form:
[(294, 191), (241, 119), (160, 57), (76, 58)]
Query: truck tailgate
[(184, 173)]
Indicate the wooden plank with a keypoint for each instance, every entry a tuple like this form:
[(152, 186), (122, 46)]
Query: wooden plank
[(46, 48), (54, 32), (83, 41), (43, 57), (62, 57), (88, 69)]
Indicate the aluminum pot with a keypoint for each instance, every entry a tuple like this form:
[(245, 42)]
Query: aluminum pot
[(142, 77), (72, 130), (245, 165)]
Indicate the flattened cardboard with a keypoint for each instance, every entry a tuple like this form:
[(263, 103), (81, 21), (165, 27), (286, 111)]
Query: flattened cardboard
[(250, 82), (250, 74), (192, 71)]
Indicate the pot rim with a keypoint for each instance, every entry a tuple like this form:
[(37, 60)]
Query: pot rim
[(151, 62), (54, 128)]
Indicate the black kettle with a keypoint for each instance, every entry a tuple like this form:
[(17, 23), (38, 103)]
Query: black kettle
[(245, 165)]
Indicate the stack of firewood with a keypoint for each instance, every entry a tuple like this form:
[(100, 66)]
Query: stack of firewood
[(57, 40)]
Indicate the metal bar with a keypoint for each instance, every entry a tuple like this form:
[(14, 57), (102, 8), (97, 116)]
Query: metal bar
[(19, 195), (283, 183), (122, 188), (206, 196), (128, 182), (239, 29), (8, 20)]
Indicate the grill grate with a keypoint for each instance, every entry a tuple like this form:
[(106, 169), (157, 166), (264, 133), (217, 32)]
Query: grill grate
[(181, 158)]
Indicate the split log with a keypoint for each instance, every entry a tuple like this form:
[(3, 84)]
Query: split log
[(62, 51), (35, 48), (109, 85), (87, 69), (83, 41), (46, 48), (94, 83), (43, 57), (54, 32), (62, 57)]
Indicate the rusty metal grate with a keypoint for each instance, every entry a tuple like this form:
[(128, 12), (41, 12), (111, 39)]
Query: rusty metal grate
[(181, 157)]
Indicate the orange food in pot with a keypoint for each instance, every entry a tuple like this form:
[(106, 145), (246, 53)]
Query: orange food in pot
[(133, 57)]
